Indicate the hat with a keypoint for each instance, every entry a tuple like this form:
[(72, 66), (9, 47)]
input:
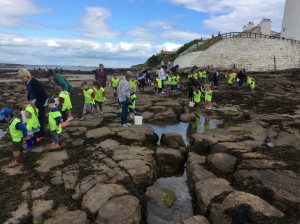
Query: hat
[(4, 113), (48, 101)]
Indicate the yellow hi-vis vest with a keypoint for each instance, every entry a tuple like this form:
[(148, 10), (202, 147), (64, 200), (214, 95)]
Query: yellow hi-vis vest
[(133, 83), (252, 84), (159, 83), (133, 96), (197, 96), (195, 75), (88, 96), (177, 78), (16, 135), (190, 76), (230, 79), (52, 121), (208, 95), (249, 79), (33, 121), (99, 95), (115, 82), (67, 104)]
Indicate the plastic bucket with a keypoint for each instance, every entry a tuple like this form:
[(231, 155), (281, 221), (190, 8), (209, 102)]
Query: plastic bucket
[(138, 120), (191, 104)]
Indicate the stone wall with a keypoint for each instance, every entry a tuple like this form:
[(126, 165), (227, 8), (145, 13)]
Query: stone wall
[(251, 54)]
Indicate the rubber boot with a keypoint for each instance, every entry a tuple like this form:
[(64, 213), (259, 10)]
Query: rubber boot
[(34, 140), (28, 144)]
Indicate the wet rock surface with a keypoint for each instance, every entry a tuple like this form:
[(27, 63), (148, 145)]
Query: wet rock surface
[(244, 171)]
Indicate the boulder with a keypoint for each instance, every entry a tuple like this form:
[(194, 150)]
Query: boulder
[(51, 160), (73, 217), (284, 185), (70, 179), (100, 194), (163, 198), (39, 208), (122, 210), (209, 188), (229, 146), (39, 193), (237, 199), (169, 160), (187, 117), (172, 140), (21, 213), (169, 115), (157, 109), (199, 219), (222, 162), (98, 132)]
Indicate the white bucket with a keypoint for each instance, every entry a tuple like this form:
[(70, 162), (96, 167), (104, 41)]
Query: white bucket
[(191, 104), (138, 120)]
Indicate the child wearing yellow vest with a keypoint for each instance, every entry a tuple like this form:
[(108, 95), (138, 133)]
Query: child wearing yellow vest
[(252, 84), (66, 105), (208, 97), (197, 96), (89, 96), (115, 83), (158, 85), (134, 83), (249, 80), (32, 122), (18, 132), (133, 100), (54, 120), (100, 96)]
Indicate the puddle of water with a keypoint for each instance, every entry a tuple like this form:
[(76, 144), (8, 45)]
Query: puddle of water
[(201, 125), (181, 209)]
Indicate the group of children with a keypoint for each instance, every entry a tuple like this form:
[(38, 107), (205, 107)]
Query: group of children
[(166, 86), (232, 77), (195, 95)]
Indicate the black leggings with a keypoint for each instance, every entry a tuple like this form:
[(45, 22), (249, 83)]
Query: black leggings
[(41, 119)]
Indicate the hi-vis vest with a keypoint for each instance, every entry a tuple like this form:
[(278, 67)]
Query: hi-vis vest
[(190, 76), (249, 80), (133, 97), (252, 84), (197, 96), (177, 78), (52, 121), (115, 82), (99, 95), (195, 75), (230, 79), (159, 83), (169, 80), (16, 135), (33, 121), (133, 83), (88, 96), (208, 95), (202, 74), (67, 105), (174, 82)]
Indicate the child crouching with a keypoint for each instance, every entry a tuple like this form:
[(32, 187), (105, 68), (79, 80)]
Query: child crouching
[(54, 119), (18, 132), (66, 105)]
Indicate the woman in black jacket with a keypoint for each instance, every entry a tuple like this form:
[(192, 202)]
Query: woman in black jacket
[(37, 96)]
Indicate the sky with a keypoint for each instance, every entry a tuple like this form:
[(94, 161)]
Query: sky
[(117, 33)]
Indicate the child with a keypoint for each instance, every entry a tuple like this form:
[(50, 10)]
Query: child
[(32, 122), (54, 119), (249, 80), (66, 105), (133, 99), (89, 96), (197, 96), (208, 97), (169, 82), (115, 83), (158, 85), (133, 82), (100, 96), (18, 132), (230, 79), (252, 84)]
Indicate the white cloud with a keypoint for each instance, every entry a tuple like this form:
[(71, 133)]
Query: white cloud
[(157, 30), (168, 47), (93, 24), (14, 13), (231, 15), (29, 50)]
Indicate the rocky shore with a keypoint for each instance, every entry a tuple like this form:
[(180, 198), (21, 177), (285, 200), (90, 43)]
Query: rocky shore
[(247, 170)]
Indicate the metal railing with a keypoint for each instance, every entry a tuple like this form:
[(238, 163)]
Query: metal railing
[(252, 35)]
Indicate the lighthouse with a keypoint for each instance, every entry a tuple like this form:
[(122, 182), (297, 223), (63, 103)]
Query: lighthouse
[(290, 24)]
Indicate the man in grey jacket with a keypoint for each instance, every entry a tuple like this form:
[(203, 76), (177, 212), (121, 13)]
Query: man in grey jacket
[(123, 93)]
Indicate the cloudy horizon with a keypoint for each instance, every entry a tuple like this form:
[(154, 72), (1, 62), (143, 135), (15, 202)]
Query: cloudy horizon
[(118, 34)]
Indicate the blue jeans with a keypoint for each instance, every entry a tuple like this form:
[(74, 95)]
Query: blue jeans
[(240, 83), (124, 113)]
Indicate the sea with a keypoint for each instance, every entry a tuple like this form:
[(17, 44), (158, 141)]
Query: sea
[(36, 67)]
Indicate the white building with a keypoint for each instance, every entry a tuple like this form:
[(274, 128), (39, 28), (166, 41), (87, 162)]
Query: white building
[(263, 28), (291, 19)]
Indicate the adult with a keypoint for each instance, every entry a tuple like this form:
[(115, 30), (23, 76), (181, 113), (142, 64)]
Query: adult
[(175, 69), (162, 75), (37, 96), (216, 78), (124, 96), (241, 76), (58, 80), (101, 75)]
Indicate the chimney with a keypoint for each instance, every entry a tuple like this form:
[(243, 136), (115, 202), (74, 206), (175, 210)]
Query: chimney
[(265, 26)]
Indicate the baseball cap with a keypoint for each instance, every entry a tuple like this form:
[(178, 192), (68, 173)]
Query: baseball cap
[(4, 113), (49, 100)]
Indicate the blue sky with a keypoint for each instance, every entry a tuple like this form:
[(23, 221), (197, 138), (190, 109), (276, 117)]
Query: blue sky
[(118, 33)]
